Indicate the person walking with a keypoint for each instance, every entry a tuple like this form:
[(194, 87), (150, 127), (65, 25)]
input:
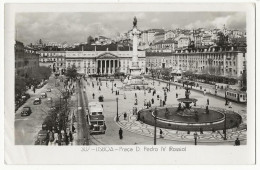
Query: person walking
[(237, 142), (125, 115), (93, 95), (229, 105), (120, 134), (204, 92), (152, 101), (176, 95), (161, 133), (208, 101)]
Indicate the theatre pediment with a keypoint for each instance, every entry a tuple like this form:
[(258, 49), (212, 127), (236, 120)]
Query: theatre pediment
[(107, 56)]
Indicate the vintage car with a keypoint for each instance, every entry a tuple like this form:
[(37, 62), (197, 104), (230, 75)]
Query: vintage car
[(42, 138), (37, 101), (43, 95), (26, 111)]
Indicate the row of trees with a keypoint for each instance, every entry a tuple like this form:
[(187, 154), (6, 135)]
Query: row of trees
[(31, 79)]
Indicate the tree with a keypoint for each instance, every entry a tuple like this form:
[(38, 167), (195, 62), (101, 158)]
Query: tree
[(166, 72), (20, 85), (90, 39), (222, 39), (72, 72)]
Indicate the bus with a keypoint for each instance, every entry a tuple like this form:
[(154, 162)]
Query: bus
[(96, 118), (97, 124), (95, 108), (236, 95)]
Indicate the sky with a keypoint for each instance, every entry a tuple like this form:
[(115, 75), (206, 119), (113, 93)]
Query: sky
[(76, 27)]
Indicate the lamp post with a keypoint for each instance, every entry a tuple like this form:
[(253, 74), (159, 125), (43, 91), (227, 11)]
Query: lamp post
[(117, 118), (195, 138), (225, 125), (112, 86), (155, 124), (170, 83)]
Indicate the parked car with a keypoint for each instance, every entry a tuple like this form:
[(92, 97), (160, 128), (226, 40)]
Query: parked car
[(37, 101), (49, 90), (26, 111), (43, 95), (42, 138), (192, 83)]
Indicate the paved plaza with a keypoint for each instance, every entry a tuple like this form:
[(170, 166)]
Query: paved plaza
[(136, 132)]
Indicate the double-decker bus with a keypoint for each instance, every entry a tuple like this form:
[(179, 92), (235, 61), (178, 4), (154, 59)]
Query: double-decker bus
[(96, 118)]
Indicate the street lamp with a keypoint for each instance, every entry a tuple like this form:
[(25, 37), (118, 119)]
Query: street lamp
[(195, 138), (170, 82), (155, 123), (225, 125), (117, 118)]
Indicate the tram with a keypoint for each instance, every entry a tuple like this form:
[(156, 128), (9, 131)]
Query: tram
[(236, 95)]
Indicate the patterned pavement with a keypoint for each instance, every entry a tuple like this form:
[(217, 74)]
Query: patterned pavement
[(130, 124)]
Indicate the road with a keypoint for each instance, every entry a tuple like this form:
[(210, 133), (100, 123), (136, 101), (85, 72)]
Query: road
[(82, 126), (27, 128)]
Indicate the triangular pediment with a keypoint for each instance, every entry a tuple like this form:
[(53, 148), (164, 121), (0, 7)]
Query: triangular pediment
[(107, 55)]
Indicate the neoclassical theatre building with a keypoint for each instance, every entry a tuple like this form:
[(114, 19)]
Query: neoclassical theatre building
[(93, 62)]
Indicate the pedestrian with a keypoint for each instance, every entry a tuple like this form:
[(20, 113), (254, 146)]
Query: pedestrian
[(136, 102), (158, 96), (71, 136), (99, 88), (165, 97), (176, 95), (208, 101), (118, 92), (73, 129), (229, 105), (120, 133), (237, 142), (152, 101), (161, 133), (51, 137), (135, 95), (204, 92), (176, 87), (93, 95), (125, 115), (34, 89)]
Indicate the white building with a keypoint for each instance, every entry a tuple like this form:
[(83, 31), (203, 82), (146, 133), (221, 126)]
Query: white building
[(103, 62)]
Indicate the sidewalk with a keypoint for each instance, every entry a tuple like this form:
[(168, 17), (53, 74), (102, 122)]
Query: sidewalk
[(210, 91)]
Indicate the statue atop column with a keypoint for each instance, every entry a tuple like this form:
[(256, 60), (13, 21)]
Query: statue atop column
[(135, 21)]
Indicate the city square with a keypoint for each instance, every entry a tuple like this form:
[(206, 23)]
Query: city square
[(146, 87)]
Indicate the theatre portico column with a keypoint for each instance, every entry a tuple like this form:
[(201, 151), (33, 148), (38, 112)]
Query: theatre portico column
[(111, 66), (105, 67), (101, 66)]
